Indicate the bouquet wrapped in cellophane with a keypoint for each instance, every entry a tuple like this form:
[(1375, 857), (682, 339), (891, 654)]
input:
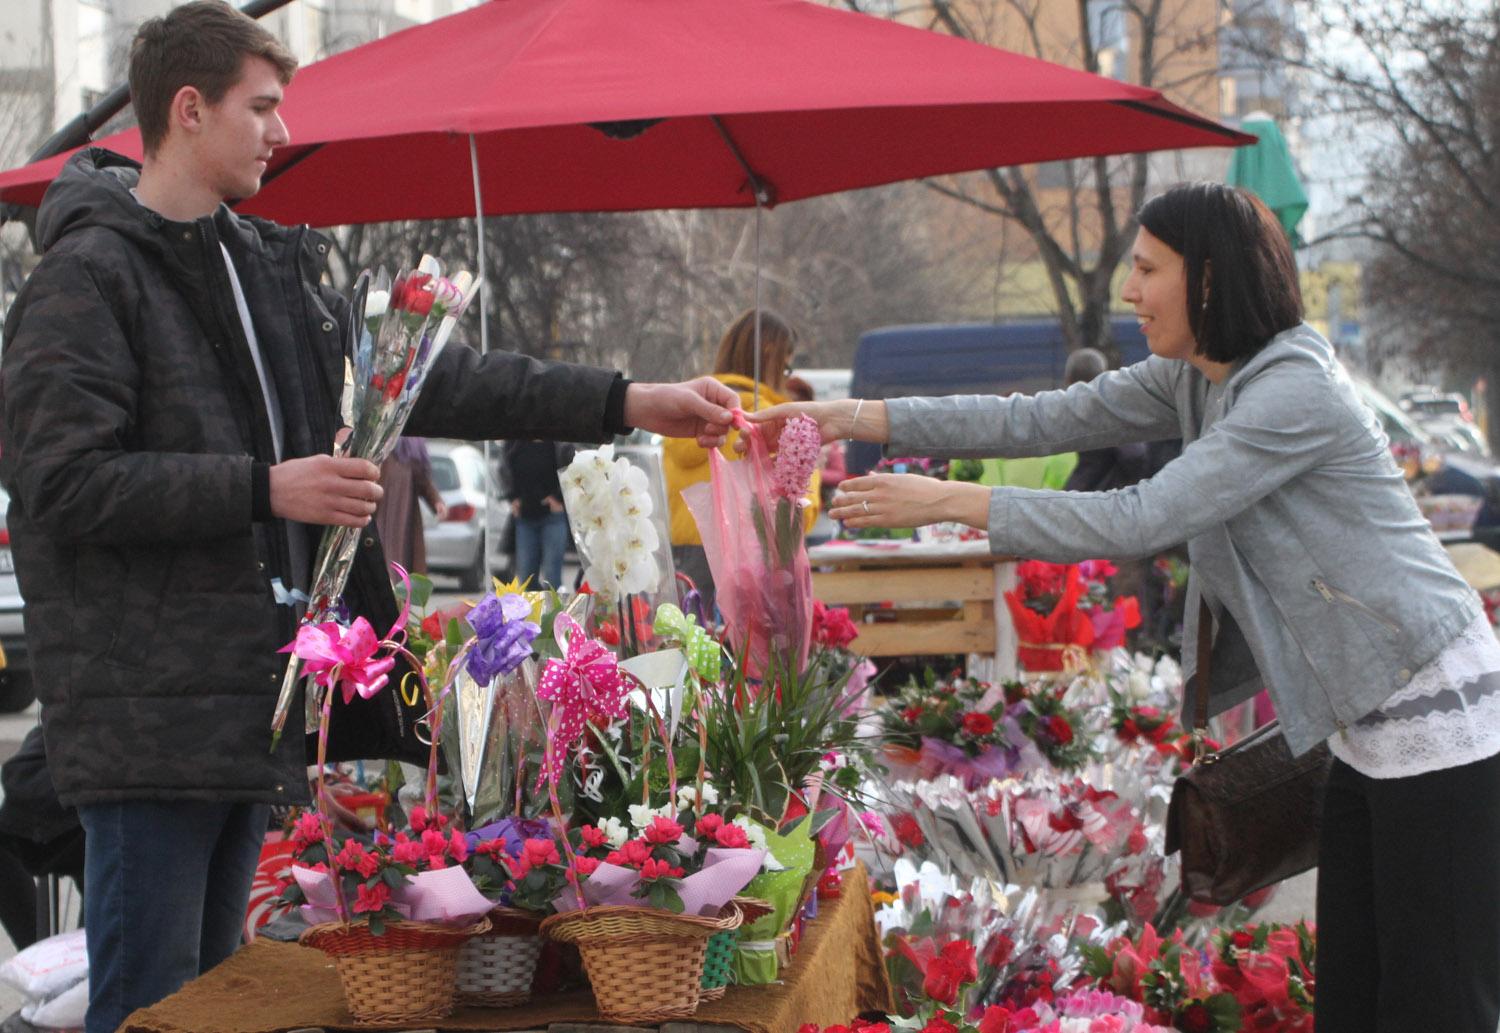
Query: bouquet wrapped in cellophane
[(399, 333)]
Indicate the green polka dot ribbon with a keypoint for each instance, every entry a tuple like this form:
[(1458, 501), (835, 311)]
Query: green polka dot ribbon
[(702, 649)]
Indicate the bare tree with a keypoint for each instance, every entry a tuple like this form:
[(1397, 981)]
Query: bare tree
[(1078, 217), (1416, 87)]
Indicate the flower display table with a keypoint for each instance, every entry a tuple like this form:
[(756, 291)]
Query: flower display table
[(943, 597), (280, 987)]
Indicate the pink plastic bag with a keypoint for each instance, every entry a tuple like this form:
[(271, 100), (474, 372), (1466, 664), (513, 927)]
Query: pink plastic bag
[(753, 540)]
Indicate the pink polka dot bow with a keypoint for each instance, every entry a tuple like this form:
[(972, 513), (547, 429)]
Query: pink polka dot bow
[(583, 684)]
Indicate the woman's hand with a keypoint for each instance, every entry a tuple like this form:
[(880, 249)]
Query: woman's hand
[(836, 420), (907, 500)]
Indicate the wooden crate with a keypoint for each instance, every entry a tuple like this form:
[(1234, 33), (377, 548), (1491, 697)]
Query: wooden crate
[(916, 598)]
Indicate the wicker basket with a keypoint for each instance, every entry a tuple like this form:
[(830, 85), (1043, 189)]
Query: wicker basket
[(495, 970), (718, 957), (405, 975), (645, 964)]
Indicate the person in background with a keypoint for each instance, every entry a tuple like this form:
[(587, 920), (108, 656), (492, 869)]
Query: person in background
[(685, 463), (536, 506), (1321, 578), (1112, 466), (406, 478)]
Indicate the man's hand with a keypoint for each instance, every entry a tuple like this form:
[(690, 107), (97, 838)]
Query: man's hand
[(696, 409), (326, 490)]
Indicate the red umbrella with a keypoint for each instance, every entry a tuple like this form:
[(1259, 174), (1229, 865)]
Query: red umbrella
[(600, 105)]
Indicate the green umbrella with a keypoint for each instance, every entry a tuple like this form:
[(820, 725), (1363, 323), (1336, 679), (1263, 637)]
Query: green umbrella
[(1265, 168)]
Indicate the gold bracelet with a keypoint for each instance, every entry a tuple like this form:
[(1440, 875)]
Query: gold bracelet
[(859, 403)]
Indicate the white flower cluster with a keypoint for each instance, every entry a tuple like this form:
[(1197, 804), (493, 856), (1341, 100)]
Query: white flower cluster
[(687, 796), (609, 503), (757, 837)]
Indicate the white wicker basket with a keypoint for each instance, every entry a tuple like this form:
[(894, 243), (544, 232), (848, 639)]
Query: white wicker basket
[(495, 971)]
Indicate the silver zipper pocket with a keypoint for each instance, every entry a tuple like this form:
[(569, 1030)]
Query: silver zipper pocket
[(1337, 596)]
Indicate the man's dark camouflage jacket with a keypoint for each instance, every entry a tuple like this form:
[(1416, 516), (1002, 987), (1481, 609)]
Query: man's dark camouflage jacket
[(136, 450)]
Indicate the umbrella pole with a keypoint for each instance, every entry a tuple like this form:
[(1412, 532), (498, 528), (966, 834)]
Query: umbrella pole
[(755, 404), (484, 344)]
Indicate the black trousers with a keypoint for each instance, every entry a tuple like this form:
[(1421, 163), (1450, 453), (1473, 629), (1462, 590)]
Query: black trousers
[(1409, 902)]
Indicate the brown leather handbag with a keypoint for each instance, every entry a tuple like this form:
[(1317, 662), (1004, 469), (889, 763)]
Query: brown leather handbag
[(1246, 816)]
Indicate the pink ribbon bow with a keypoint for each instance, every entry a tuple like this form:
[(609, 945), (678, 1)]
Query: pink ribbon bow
[(583, 683), (336, 655)]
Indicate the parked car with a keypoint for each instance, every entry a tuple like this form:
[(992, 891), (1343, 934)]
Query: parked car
[(1445, 481), (16, 689), (1424, 404), (454, 544)]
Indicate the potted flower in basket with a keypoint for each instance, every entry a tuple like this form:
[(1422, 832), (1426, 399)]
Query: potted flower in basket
[(668, 890), (957, 726), (372, 917)]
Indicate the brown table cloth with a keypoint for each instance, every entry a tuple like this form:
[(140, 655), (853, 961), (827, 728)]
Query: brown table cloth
[(275, 987)]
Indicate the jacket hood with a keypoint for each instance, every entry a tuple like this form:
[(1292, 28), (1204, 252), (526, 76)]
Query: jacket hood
[(93, 191)]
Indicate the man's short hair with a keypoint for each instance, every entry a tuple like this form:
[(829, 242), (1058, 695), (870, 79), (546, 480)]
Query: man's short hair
[(202, 44)]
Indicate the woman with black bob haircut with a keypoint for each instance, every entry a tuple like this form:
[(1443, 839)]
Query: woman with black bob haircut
[(1325, 584)]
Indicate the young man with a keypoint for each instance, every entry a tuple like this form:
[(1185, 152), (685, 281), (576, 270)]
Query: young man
[(170, 392)]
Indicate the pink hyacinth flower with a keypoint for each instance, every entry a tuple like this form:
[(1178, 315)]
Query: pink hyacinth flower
[(797, 455)]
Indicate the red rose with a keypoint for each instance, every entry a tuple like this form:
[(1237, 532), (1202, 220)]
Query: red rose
[(1243, 939), (978, 724), (372, 899), (1195, 1018), (609, 634), (910, 715), (963, 956), (938, 1024), (995, 1020), (809, 1027), (1059, 729), (942, 981), (908, 832)]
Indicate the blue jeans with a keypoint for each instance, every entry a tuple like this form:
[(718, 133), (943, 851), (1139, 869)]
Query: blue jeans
[(166, 884), (540, 543)]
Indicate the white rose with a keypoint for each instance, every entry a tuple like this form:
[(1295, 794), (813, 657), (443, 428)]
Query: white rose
[(1138, 685), (615, 830), (376, 302), (641, 815), (687, 796)]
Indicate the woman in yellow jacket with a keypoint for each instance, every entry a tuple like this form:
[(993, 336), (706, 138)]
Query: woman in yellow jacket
[(685, 462)]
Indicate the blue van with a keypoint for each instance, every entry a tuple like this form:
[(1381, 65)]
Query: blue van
[(968, 358)]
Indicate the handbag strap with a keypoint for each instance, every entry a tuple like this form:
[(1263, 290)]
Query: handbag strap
[(1205, 661)]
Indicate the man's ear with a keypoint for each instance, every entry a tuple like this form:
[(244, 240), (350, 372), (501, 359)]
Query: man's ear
[(187, 110)]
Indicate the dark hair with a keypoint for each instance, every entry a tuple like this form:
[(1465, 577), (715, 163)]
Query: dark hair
[(798, 390), (1242, 287), (202, 44), (777, 342), (1084, 365)]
